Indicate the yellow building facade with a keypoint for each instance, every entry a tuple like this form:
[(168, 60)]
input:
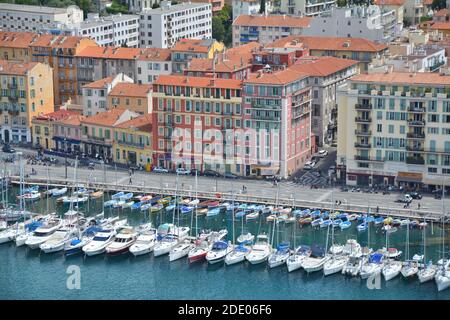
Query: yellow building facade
[(26, 91), (133, 142)]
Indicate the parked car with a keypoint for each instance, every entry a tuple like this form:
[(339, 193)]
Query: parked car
[(211, 173), (160, 170), (183, 171), (404, 199), (322, 153), (8, 149), (195, 171), (416, 195), (309, 165), (229, 175)]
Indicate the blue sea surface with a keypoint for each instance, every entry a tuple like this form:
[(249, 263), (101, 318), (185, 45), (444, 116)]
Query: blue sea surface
[(29, 274)]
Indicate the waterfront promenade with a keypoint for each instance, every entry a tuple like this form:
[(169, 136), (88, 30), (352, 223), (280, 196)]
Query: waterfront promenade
[(256, 190)]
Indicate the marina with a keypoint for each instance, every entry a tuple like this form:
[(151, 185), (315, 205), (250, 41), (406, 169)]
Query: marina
[(182, 238)]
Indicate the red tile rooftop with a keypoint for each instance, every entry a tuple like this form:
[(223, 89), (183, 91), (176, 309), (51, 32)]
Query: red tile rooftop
[(402, 78)]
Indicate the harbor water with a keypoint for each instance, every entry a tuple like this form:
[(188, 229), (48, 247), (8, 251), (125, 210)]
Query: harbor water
[(29, 274)]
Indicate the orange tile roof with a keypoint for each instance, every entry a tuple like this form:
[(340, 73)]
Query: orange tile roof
[(74, 120), (154, 54), (272, 20), (422, 78), (390, 2), (16, 39), (108, 118), (231, 60), (191, 45), (48, 40), (442, 13), (282, 77), (427, 2), (330, 43), (142, 123), (322, 66), (16, 68), (126, 89), (202, 82), (441, 26), (56, 115), (109, 52), (99, 83)]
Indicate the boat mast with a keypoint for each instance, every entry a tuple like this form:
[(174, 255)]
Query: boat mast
[(232, 213), (196, 200), (332, 222), (176, 191), (48, 178)]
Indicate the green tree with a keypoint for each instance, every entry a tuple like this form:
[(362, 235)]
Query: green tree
[(155, 6), (262, 7), (342, 3), (218, 29), (438, 4), (116, 7)]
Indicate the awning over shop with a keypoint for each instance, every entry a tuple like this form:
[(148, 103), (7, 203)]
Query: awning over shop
[(415, 177)]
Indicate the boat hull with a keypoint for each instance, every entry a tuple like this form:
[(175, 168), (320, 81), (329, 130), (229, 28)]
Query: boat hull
[(197, 257), (52, 249)]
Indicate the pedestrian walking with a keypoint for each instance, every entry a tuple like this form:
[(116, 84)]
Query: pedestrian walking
[(418, 206)]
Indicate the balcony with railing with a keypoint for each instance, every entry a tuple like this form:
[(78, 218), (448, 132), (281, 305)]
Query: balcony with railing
[(367, 158), (415, 148), (362, 145), (416, 135), (363, 132), (364, 120), (416, 123), (416, 109), (95, 139), (363, 106), (415, 160)]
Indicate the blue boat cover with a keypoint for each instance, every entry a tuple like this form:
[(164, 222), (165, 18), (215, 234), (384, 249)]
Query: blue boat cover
[(283, 246), (33, 225), (241, 248), (74, 242), (220, 245), (317, 251), (375, 258)]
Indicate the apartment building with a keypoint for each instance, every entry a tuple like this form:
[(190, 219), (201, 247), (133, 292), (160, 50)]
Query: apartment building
[(394, 128), (133, 142), (306, 7), (187, 49), (249, 7), (216, 5), (265, 29), (59, 52), (279, 108), (15, 46), (132, 96), (97, 132), (414, 11), (151, 63), (164, 26), (137, 6), (234, 63), (67, 134), (362, 50), (191, 117), (26, 90), (19, 17), (372, 23), (42, 128), (111, 30), (95, 94), (326, 74), (95, 63)]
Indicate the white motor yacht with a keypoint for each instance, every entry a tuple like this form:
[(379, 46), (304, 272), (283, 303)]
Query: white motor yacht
[(43, 233), (218, 252), (57, 241), (122, 242), (99, 243), (260, 250), (181, 249), (144, 243), (391, 269), (316, 260)]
